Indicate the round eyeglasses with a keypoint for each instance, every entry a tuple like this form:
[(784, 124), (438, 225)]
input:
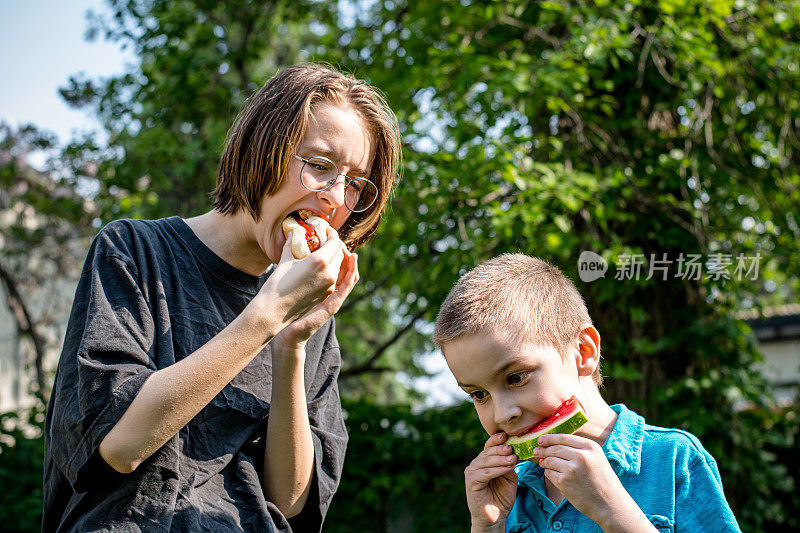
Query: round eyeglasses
[(320, 174)]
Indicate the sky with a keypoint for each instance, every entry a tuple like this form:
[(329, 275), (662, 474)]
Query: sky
[(42, 44)]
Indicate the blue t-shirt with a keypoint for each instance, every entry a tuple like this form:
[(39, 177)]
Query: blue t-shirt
[(669, 474)]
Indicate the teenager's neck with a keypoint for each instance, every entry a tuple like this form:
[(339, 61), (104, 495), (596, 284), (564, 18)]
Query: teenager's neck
[(231, 238), (601, 417)]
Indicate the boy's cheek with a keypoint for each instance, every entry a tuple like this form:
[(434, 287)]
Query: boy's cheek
[(487, 422)]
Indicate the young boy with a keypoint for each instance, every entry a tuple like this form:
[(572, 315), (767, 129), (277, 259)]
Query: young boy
[(517, 336)]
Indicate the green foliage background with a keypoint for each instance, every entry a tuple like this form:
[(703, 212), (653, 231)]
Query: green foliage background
[(550, 128)]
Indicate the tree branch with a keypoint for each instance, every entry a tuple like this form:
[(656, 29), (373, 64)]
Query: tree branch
[(26, 326), (367, 366)]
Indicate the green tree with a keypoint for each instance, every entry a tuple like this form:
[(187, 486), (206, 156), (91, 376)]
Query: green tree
[(166, 122), (623, 128), (405, 469), (44, 224), (544, 127), (44, 227), (21, 467)]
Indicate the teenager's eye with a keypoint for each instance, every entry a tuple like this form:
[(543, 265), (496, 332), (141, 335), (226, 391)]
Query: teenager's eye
[(356, 183), (517, 378), (318, 164), (479, 395)]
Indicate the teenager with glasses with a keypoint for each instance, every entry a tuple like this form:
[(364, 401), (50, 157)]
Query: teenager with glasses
[(196, 389)]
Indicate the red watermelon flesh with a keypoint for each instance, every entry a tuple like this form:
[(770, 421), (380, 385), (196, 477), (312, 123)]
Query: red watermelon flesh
[(568, 418)]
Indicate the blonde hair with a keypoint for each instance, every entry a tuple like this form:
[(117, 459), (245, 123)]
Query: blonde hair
[(273, 123), (521, 296)]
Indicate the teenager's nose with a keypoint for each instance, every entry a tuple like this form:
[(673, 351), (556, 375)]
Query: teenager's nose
[(334, 196)]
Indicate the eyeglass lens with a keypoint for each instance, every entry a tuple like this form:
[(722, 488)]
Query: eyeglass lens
[(320, 173)]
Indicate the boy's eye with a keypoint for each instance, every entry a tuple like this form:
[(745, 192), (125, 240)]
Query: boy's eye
[(516, 378), (478, 395)]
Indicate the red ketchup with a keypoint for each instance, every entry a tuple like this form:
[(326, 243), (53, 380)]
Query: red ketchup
[(311, 235)]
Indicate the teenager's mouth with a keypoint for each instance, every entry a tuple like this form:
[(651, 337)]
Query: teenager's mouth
[(305, 213)]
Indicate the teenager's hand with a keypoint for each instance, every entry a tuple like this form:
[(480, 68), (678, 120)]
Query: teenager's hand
[(491, 484), (579, 469), (335, 260)]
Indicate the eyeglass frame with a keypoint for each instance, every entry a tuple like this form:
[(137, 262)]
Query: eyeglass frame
[(332, 183)]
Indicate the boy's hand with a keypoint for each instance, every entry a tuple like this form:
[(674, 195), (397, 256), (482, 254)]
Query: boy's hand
[(579, 469), (491, 484)]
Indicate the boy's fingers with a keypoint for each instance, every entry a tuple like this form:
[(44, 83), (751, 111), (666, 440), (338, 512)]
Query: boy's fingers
[(484, 475), (485, 460), (555, 450), (494, 440), (573, 441), (556, 464), (500, 449)]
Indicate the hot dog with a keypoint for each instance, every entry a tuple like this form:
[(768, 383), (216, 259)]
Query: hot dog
[(308, 232)]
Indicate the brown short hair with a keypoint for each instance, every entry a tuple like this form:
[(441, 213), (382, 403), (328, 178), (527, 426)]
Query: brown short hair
[(522, 296), (274, 121)]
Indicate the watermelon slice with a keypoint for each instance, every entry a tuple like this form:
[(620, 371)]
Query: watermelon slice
[(567, 419)]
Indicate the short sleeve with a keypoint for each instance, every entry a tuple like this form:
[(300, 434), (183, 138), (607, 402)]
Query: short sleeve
[(105, 360), (328, 432), (700, 503)]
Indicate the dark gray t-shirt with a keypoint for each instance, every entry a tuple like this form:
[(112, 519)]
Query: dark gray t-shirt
[(150, 294)]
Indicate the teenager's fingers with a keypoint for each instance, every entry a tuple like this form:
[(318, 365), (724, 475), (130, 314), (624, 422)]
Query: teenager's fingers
[(332, 233), (344, 285), (330, 249), (348, 270), (494, 440), (338, 259), (355, 268), (332, 246), (351, 273), (343, 273), (286, 253)]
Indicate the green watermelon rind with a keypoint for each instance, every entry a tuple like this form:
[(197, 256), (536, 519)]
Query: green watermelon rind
[(524, 449)]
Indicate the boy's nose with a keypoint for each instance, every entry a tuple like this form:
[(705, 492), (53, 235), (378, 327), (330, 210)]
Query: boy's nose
[(506, 412)]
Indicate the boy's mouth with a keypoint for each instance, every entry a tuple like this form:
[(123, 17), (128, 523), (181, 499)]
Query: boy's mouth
[(520, 432)]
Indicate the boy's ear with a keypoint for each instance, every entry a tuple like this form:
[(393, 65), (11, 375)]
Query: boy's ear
[(588, 350)]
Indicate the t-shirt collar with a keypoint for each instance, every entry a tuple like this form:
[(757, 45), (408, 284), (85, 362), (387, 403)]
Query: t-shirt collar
[(623, 447)]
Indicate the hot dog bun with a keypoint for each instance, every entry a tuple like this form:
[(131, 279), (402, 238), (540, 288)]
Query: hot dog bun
[(301, 246)]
